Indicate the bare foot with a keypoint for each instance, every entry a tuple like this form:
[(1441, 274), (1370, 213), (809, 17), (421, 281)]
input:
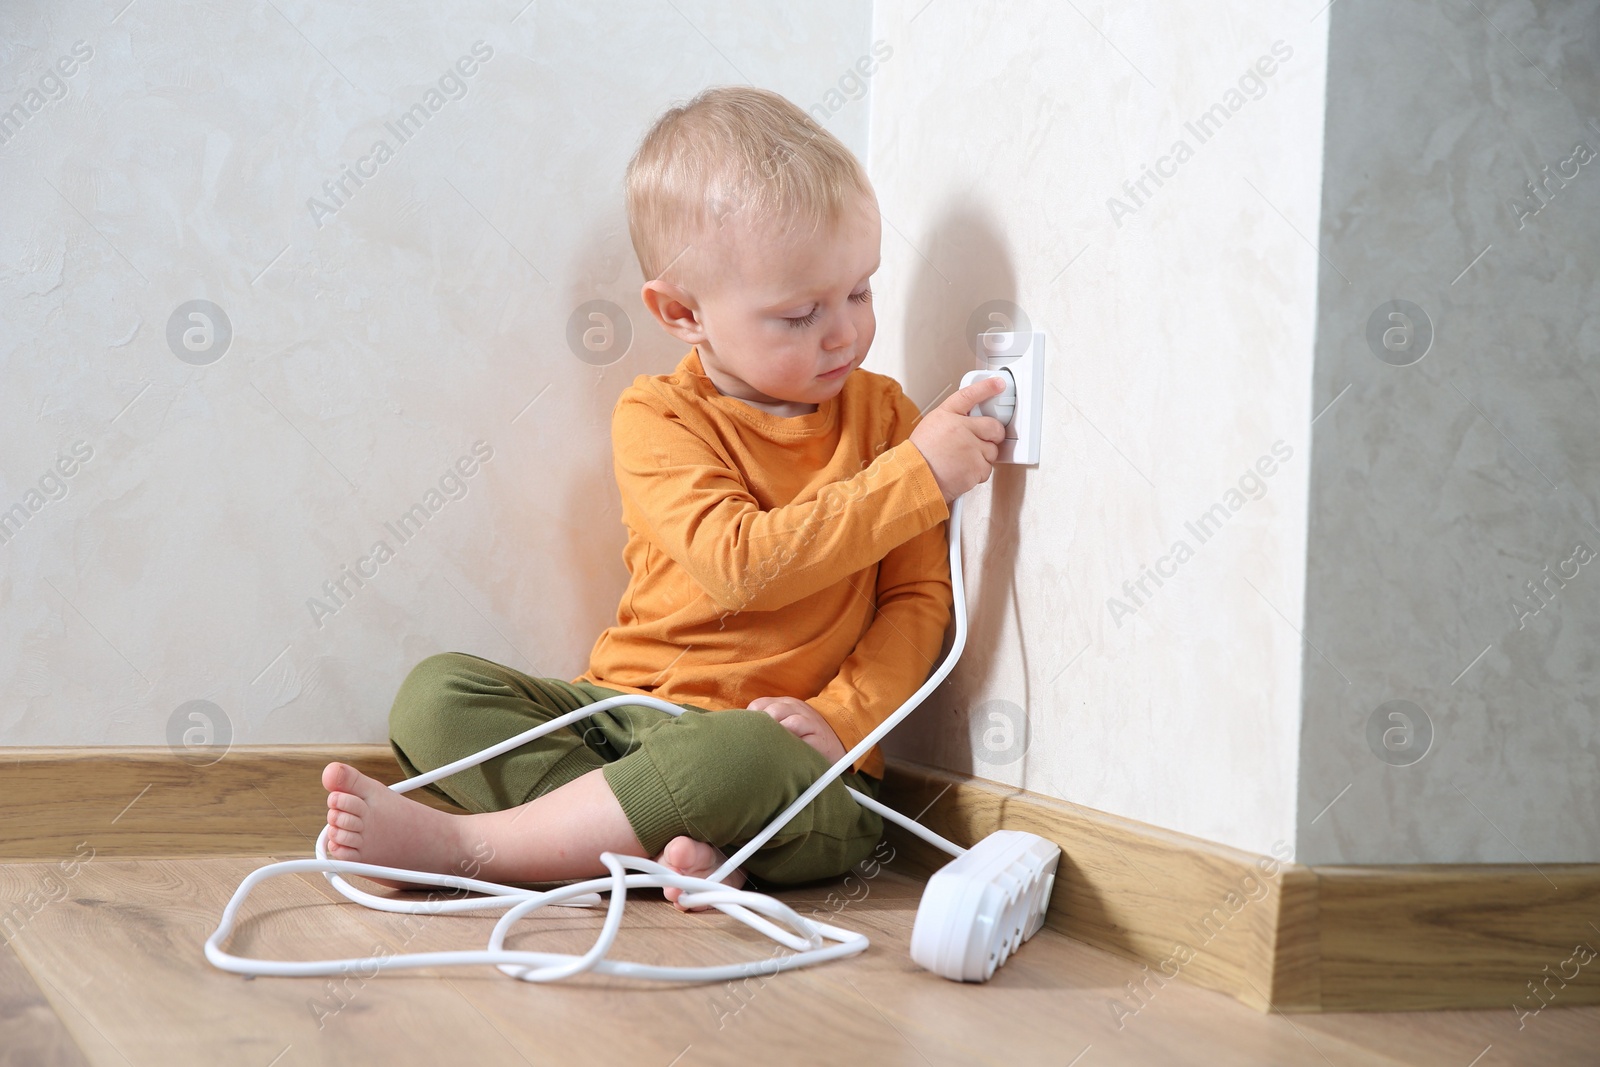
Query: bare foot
[(371, 823), (697, 859)]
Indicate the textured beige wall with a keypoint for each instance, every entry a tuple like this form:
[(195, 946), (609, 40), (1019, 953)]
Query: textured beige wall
[(418, 322), (1180, 328), (1451, 581)]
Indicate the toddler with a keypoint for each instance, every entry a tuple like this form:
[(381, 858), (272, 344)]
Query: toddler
[(788, 578)]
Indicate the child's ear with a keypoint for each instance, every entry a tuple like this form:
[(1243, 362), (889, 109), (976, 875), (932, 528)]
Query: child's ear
[(675, 308)]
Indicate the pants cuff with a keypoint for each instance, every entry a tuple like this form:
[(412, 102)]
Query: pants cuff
[(645, 800)]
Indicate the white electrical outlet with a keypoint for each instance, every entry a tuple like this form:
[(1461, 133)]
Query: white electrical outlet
[(1022, 356)]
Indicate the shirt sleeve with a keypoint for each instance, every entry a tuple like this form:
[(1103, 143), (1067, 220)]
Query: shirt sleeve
[(901, 646), (696, 508)]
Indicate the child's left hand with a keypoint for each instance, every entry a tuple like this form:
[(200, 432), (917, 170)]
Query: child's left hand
[(805, 722)]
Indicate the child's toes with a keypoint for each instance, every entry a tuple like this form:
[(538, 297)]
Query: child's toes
[(340, 778), (681, 854), (347, 802), (343, 820)]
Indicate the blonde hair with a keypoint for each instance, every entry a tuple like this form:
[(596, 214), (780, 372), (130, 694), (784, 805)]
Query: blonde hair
[(734, 153)]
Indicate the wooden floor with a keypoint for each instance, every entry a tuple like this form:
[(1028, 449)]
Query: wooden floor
[(106, 967)]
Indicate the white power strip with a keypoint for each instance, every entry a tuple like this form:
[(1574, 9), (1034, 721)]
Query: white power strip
[(981, 906)]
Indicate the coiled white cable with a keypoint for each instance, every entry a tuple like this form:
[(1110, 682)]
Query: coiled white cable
[(808, 938)]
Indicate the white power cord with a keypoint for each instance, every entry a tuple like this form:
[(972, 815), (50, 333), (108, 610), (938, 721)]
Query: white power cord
[(807, 938)]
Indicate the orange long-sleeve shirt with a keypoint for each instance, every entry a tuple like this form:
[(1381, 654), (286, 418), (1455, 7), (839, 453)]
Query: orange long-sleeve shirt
[(768, 556)]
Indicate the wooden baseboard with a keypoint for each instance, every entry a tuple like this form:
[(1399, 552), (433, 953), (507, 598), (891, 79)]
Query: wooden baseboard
[(1381, 938), (1274, 935), (124, 802)]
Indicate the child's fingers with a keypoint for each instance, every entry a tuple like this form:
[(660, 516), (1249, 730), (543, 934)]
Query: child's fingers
[(990, 429), (964, 400), (793, 723)]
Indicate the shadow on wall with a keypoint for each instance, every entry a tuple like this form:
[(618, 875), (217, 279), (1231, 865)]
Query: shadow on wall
[(965, 264)]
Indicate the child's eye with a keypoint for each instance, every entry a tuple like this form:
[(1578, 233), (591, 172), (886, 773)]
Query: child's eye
[(806, 320)]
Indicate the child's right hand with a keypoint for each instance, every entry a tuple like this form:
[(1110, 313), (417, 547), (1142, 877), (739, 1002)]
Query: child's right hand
[(961, 448)]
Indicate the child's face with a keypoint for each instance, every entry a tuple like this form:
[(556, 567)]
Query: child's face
[(774, 316)]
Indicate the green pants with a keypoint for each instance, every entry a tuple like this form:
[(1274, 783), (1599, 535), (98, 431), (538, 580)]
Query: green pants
[(716, 776)]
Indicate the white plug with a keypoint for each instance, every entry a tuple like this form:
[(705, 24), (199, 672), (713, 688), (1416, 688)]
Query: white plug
[(1020, 357), (1000, 406)]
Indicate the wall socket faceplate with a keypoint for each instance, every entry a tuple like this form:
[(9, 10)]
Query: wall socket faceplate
[(1022, 356)]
